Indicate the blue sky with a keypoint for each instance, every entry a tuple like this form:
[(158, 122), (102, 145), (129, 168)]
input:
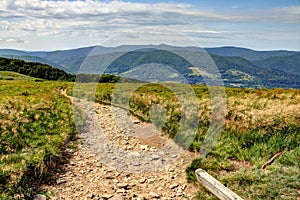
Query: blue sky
[(63, 24)]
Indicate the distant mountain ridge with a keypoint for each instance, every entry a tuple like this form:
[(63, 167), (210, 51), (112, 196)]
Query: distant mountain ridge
[(289, 64), (249, 54), (239, 67)]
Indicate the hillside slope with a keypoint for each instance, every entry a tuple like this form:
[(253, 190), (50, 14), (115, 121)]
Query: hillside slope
[(248, 54), (151, 65), (289, 64), (33, 69)]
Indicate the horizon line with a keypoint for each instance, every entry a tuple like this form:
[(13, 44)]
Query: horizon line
[(97, 45)]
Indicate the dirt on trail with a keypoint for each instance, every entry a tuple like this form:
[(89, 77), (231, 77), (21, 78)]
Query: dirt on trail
[(140, 170)]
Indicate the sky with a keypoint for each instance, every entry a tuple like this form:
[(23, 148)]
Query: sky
[(65, 24)]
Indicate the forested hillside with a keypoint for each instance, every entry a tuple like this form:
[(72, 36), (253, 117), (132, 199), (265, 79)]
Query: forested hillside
[(33, 69), (44, 71), (248, 54), (289, 64)]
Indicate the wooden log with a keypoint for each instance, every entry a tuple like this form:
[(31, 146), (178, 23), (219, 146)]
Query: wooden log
[(215, 186)]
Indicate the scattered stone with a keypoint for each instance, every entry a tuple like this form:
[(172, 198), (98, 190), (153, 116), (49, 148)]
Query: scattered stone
[(144, 147), (39, 197), (175, 185), (72, 163), (129, 148), (99, 165), (109, 177), (109, 170), (151, 180), (126, 174), (117, 197), (122, 190), (179, 190), (153, 149), (142, 180), (155, 157), (174, 156), (132, 185), (122, 185), (60, 181), (136, 164), (154, 195), (140, 197), (91, 196), (136, 121), (179, 194), (115, 181), (171, 170), (107, 196), (84, 174)]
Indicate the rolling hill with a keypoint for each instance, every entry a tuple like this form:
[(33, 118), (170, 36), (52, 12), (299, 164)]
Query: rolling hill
[(239, 67), (289, 64), (248, 54), (151, 65)]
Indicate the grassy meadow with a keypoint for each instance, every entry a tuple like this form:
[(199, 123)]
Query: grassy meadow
[(36, 121)]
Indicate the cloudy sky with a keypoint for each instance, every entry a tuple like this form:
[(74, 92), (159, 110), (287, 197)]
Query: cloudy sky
[(63, 24)]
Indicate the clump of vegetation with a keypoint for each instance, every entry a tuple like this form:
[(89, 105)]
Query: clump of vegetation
[(33, 129), (259, 124)]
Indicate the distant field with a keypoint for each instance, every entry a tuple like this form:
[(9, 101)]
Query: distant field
[(36, 121)]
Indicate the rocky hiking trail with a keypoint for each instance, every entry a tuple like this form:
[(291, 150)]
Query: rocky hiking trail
[(119, 163)]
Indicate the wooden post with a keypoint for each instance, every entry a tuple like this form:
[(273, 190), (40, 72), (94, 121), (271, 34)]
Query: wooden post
[(215, 186)]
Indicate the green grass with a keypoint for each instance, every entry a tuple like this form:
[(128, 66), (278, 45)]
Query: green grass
[(35, 123), (259, 123), (237, 159)]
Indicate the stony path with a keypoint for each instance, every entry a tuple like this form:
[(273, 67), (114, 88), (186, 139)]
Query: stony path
[(128, 160)]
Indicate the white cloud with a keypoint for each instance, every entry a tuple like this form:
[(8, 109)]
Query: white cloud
[(289, 14), (124, 11), (101, 19), (11, 40)]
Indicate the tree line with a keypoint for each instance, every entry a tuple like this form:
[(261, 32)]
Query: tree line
[(47, 72)]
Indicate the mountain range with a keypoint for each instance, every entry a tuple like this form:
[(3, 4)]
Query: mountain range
[(238, 67)]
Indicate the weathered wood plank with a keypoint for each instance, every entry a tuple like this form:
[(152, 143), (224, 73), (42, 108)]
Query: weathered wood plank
[(215, 186)]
